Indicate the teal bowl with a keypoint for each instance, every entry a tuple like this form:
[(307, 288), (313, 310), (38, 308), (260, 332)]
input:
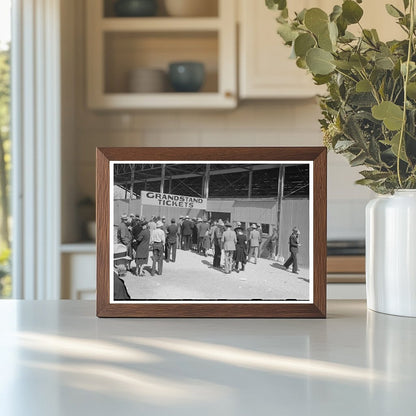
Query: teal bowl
[(186, 76), (135, 8)]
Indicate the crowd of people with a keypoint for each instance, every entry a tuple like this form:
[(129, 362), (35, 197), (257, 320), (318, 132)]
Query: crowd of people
[(232, 245)]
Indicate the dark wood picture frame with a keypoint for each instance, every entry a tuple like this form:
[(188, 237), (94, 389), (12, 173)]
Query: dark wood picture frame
[(315, 309)]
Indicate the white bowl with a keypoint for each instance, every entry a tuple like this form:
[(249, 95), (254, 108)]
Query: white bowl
[(191, 8), (147, 80)]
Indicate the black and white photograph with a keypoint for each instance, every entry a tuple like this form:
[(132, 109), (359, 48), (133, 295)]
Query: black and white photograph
[(201, 232)]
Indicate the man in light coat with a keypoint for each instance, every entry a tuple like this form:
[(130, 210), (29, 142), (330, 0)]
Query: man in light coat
[(229, 239), (255, 239)]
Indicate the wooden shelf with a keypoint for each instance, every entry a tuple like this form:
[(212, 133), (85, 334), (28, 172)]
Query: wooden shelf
[(160, 24), (346, 264), (164, 100), (117, 45)]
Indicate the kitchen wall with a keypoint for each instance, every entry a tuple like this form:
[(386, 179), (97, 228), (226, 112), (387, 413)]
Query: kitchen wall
[(253, 123)]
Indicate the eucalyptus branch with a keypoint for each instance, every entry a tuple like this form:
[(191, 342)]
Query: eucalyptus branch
[(406, 80)]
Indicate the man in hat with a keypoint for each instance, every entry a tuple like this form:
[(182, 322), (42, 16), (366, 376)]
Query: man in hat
[(157, 240), (124, 234), (202, 228), (255, 238), (216, 240), (171, 240), (120, 262), (180, 242), (229, 239), (294, 244), (187, 227)]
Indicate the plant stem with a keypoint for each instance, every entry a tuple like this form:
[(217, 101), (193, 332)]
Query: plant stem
[(406, 80)]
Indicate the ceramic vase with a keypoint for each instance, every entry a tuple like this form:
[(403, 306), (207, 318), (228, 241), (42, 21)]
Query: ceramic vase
[(391, 253), (135, 8), (186, 76)]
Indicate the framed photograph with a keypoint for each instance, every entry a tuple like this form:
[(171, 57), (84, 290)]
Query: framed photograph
[(211, 232)]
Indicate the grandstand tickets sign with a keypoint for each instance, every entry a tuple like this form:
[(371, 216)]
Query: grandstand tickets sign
[(170, 200)]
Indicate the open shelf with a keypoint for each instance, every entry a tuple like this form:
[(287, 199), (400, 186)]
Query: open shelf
[(160, 24), (116, 46), (126, 51)]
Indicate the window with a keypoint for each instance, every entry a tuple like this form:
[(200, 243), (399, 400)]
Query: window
[(5, 145)]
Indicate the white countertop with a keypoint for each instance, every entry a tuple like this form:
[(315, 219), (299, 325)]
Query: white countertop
[(57, 358)]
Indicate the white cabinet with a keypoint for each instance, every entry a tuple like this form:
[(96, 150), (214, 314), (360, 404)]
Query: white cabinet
[(264, 66), (118, 45), (265, 69), (78, 264)]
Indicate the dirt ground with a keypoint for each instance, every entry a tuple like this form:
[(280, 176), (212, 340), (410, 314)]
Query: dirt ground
[(192, 277)]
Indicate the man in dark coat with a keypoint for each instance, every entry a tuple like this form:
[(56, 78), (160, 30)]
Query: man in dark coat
[(187, 227), (171, 241), (142, 249), (124, 235), (293, 249)]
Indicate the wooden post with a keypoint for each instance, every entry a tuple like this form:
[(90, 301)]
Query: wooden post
[(280, 192), (162, 179), (250, 182), (205, 190), (170, 185), (132, 166)]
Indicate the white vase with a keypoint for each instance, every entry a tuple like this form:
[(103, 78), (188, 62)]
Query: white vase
[(391, 253)]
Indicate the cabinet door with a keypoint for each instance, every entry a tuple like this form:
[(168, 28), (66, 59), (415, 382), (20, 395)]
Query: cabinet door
[(265, 68), (266, 71)]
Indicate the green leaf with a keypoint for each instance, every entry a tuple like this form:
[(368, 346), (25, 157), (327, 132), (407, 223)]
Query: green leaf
[(388, 112), (316, 20), (325, 42), (374, 175), (363, 86), (394, 144), (375, 35), (321, 79), (301, 63), (301, 15), (393, 11), (358, 61), (343, 145), (287, 33), (342, 25), (406, 4), (336, 12), (347, 37), (351, 11), (319, 61), (411, 90), (359, 160), (344, 65), (276, 4), (384, 62), (303, 43)]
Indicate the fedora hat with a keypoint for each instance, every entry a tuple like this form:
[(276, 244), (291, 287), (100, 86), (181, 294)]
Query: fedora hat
[(227, 224), (124, 217), (253, 226), (159, 224), (120, 252)]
